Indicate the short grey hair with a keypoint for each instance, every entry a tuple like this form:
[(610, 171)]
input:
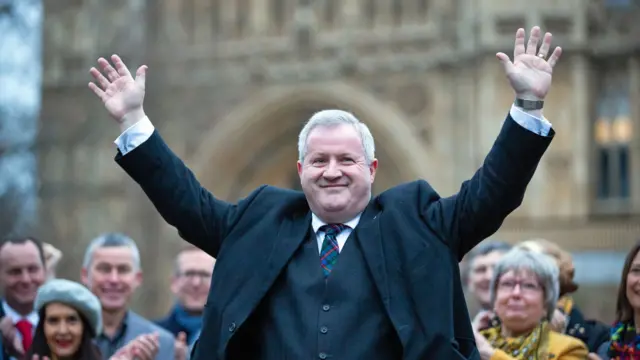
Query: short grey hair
[(484, 248), (328, 118), (113, 239), (543, 266)]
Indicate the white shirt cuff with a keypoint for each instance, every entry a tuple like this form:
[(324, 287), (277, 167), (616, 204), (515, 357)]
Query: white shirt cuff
[(536, 125), (134, 136)]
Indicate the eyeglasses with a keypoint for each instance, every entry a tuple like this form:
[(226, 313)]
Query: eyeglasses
[(525, 286), (200, 275)]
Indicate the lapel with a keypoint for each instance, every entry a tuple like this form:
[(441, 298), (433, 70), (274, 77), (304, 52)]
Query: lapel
[(293, 231), (368, 236)]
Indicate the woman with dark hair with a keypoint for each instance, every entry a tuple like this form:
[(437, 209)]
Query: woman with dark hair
[(70, 317), (625, 335)]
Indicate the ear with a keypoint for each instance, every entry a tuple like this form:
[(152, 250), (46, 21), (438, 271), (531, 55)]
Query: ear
[(175, 285), (299, 166), (373, 167), (138, 279), (84, 276)]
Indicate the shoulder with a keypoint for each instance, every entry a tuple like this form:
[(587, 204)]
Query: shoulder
[(146, 326), (561, 344), (410, 192), (267, 195)]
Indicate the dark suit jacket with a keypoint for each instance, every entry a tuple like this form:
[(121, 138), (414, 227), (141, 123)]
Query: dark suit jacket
[(3, 351), (412, 240)]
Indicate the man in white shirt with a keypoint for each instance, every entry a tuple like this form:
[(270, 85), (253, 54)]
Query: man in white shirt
[(22, 272)]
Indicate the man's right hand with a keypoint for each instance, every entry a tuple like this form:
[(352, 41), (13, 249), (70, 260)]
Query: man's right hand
[(121, 94), (10, 338)]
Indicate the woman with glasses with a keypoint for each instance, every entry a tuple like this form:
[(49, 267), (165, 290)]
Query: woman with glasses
[(524, 293)]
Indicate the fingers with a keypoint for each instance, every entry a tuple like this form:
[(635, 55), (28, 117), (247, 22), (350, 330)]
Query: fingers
[(546, 45), (104, 83), (96, 90), (555, 56), (121, 68), (141, 75), (506, 63), (182, 337), (112, 74), (519, 46), (534, 38), (147, 346)]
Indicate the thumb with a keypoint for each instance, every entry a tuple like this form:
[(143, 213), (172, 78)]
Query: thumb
[(506, 62), (182, 337), (141, 75)]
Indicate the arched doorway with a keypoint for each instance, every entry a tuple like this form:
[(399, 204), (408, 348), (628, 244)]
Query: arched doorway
[(256, 143)]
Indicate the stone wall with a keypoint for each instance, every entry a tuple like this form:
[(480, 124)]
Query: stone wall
[(229, 88)]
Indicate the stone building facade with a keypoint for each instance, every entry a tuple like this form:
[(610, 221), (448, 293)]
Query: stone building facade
[(231, 82)]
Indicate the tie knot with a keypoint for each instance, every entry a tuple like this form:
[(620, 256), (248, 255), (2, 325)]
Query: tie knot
[(24, 326), (333, 229)]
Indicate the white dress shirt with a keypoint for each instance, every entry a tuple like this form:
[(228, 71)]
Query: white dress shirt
[(32, 317), (316, 224)]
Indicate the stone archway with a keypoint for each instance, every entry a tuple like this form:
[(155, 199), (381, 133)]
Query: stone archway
[(255, 143)]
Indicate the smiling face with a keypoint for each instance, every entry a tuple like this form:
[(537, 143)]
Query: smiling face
[(21, 274), (63, 330), (113, 277), (335, 175), (480, 275), (633, 284)]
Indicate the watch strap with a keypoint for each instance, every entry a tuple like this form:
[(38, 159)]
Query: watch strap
[(529, 104)]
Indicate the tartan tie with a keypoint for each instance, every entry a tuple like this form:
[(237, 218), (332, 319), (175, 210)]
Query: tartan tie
[(330, 250)]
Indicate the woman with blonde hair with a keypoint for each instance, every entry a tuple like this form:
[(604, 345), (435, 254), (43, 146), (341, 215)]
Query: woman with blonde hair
[(524, 293)]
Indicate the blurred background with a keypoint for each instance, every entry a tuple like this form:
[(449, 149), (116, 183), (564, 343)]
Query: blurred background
[(231, 82)]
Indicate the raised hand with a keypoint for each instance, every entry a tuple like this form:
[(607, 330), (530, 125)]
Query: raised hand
[(121, 94), (530, 73), (181, 348)]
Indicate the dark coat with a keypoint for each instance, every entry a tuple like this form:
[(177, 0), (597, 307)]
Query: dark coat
[(414, 241), (591, 332)]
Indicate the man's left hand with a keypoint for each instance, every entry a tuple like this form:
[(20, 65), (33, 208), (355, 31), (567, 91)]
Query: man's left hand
[(530, 73)]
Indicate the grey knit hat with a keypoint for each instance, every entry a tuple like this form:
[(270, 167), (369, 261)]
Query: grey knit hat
[(74, 295)]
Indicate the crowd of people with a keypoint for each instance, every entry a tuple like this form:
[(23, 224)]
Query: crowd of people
[(524, 291), (43, 316), (525, 296)]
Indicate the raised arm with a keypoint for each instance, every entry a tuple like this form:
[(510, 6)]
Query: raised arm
[(199, 217), (498, 187)]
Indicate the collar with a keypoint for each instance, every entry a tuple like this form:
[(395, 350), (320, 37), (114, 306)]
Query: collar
[(316, 223), (32, 317)]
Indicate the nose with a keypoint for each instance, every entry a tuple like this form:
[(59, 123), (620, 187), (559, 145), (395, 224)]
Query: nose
[(113, 276), (25, 277), (517, 290), (332, 171), (488, 274), (63, 328)]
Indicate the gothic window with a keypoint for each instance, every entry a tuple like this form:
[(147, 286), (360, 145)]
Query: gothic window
[(278, 12), (613, 132), (396, 11), (242, 16), (330, 12), (369, 11), (216, 18), (423, 6)]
